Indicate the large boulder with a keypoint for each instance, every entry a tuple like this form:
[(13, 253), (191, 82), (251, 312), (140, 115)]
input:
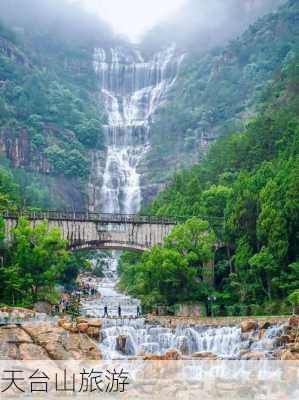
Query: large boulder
[(82, 327), (94, 323), (93, 332), (92, 327), (60, 344), (294, 321), (171, 355), (248, 325), (43, 307), (288, 355)]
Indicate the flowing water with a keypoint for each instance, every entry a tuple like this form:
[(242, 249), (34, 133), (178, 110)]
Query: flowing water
[(131, 89)]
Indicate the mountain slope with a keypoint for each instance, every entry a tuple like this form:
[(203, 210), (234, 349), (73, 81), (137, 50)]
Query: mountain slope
[(50, 116), (217, 92)]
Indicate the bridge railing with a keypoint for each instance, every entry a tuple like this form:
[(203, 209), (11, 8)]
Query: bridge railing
[(90, 217)]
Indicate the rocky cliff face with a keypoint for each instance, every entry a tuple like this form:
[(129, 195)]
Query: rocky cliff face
[(29, 82)]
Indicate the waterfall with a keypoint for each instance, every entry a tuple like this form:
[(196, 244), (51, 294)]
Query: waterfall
[(225, 342), (131, 89)]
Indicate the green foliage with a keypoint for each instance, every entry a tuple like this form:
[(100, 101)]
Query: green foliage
[(9, 193), (294, 298), (247, 187), (175, 272), (34, 263), (45, 105), (76, 263), (218, 91)]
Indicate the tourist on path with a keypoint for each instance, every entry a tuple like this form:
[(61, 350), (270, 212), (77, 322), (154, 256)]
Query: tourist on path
[(119, 311), (106, 312), (138, 311)]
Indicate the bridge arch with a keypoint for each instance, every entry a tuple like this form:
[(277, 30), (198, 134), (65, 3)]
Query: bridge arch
[(100, 231), (99, 245)]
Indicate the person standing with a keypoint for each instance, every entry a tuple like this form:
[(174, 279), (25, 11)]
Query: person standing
[(119, 311), (61, 305), (106, 312), (138, 311)]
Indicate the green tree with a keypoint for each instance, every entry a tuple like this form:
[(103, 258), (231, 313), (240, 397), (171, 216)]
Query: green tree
[(36, 261), (175, 272)]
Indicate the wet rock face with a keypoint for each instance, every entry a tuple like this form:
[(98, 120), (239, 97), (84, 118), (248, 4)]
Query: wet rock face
[(170, 355), (247, 326), (45, 340), (294, 322), (91, 327), (121, 344), (204, 355)]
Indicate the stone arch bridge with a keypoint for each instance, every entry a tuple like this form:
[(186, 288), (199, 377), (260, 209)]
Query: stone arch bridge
[(100, 231)]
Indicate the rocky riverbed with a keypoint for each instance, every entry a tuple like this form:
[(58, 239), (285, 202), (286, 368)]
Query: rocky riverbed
[(36, 336)]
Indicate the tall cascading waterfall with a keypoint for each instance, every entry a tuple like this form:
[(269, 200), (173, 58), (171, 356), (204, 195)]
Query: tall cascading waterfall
[(132, 89)]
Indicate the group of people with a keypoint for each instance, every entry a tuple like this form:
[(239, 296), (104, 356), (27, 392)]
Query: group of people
[(63, 304), (119, 310), (65, 301), (88, 288)]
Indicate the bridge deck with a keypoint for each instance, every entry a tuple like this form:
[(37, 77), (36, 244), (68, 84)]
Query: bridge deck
[(91, 217)]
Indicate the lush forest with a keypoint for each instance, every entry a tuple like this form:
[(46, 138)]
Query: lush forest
[(50, 116), (244, 197), (219, 90)]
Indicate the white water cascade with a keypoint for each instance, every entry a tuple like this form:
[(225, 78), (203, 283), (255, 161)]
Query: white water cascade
[(132, 89)]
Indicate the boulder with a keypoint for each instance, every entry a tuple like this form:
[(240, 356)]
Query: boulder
[(81, 320), (66, 325), (121, 344), (287, 355), (61, 322), (294, 321), (60, 344), (293, 347), (204, 355), (252, 355), (265, 325), (95, 323), (43, 307), (151, 357), (82, 327), (170, 355), (248, 325), (93, 332)]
